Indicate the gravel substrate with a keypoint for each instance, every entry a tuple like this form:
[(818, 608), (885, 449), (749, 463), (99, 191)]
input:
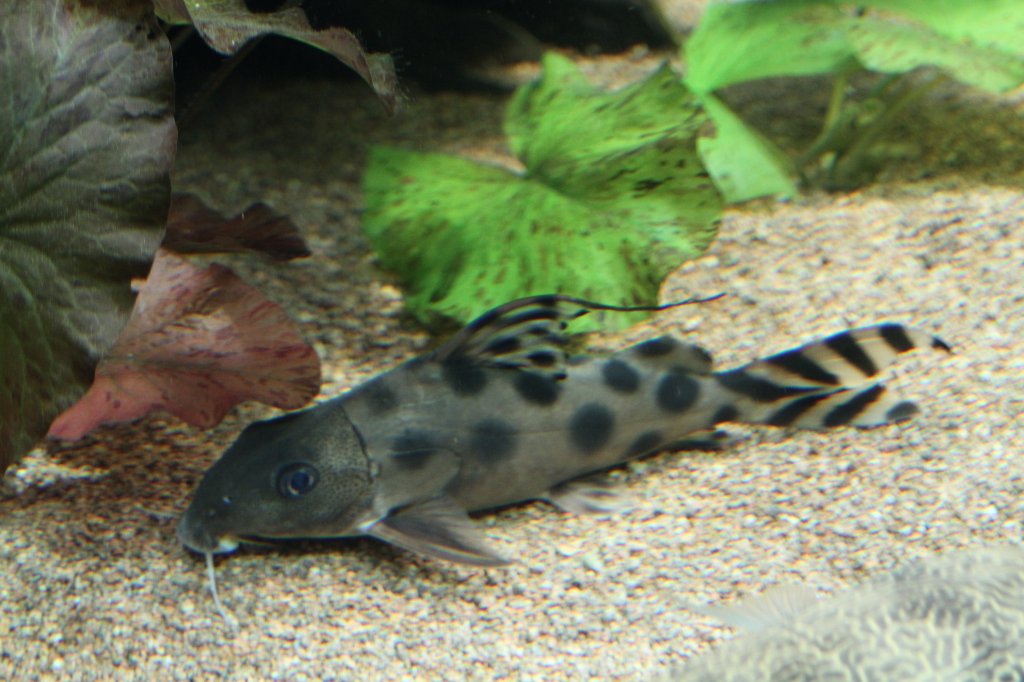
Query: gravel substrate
[(95, 586)]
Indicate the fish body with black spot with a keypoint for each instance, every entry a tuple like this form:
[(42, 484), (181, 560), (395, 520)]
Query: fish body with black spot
[(502, 414)]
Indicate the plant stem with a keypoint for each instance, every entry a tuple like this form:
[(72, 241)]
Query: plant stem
[(849, 162), (215, 80)]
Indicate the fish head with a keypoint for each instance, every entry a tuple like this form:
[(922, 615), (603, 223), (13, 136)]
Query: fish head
[(304, 474)]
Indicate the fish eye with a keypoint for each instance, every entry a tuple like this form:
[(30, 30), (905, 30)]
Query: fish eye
[(296, 480)]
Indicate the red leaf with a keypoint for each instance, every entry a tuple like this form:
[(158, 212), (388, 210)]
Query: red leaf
[(194, 227), (198, 342)]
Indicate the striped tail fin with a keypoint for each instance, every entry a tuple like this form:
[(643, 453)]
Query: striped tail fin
[(825, 383)]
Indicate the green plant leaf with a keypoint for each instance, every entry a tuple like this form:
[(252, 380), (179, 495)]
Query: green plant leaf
[(977, 41), (737, 42), (86, 145), (227, 25), (743, 164), (968, 40), (997, 24), (613, 198)]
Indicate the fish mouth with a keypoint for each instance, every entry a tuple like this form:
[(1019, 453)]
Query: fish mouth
[(200, 540), (225, 544)]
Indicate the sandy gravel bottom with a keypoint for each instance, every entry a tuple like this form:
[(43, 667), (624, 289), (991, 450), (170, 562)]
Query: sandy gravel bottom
[(95, 586)]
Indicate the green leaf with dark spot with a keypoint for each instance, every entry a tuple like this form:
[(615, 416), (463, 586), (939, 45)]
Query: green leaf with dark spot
[(86, 145), (613, 199)]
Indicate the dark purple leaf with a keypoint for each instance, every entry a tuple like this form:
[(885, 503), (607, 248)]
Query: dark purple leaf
[(86, 145)]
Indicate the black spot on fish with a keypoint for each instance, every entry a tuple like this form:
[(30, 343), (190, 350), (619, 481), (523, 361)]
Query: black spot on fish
[(795, 362), (591, 427), (620, 377), (848, 411), (644, 443), (756, 388), (677, 391), (896, 337), (725, 413), (536, 388), (902, 411), (653, 348), (463, 376), (492, 440), (792, 411), (413, 460), (845, 345), (413, 448), (379, 397), (413, 439)]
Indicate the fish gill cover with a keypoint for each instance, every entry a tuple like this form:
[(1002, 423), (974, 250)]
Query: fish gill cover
[(612, 199)]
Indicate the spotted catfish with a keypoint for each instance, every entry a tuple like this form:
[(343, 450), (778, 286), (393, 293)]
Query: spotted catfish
[(501, 414)]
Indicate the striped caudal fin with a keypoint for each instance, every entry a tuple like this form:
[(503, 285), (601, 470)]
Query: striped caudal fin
[(827, 383)]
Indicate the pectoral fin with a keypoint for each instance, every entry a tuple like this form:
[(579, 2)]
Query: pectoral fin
[(437, 528)]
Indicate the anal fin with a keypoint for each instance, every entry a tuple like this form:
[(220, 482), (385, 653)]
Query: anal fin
[(588, 496), (705, 440), (437, 528)]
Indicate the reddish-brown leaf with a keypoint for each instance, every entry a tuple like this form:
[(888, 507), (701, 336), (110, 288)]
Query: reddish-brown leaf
[(194, 227), (199, 341)]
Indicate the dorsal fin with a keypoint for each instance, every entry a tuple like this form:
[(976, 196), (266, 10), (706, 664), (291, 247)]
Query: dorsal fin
[(529, 333)]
